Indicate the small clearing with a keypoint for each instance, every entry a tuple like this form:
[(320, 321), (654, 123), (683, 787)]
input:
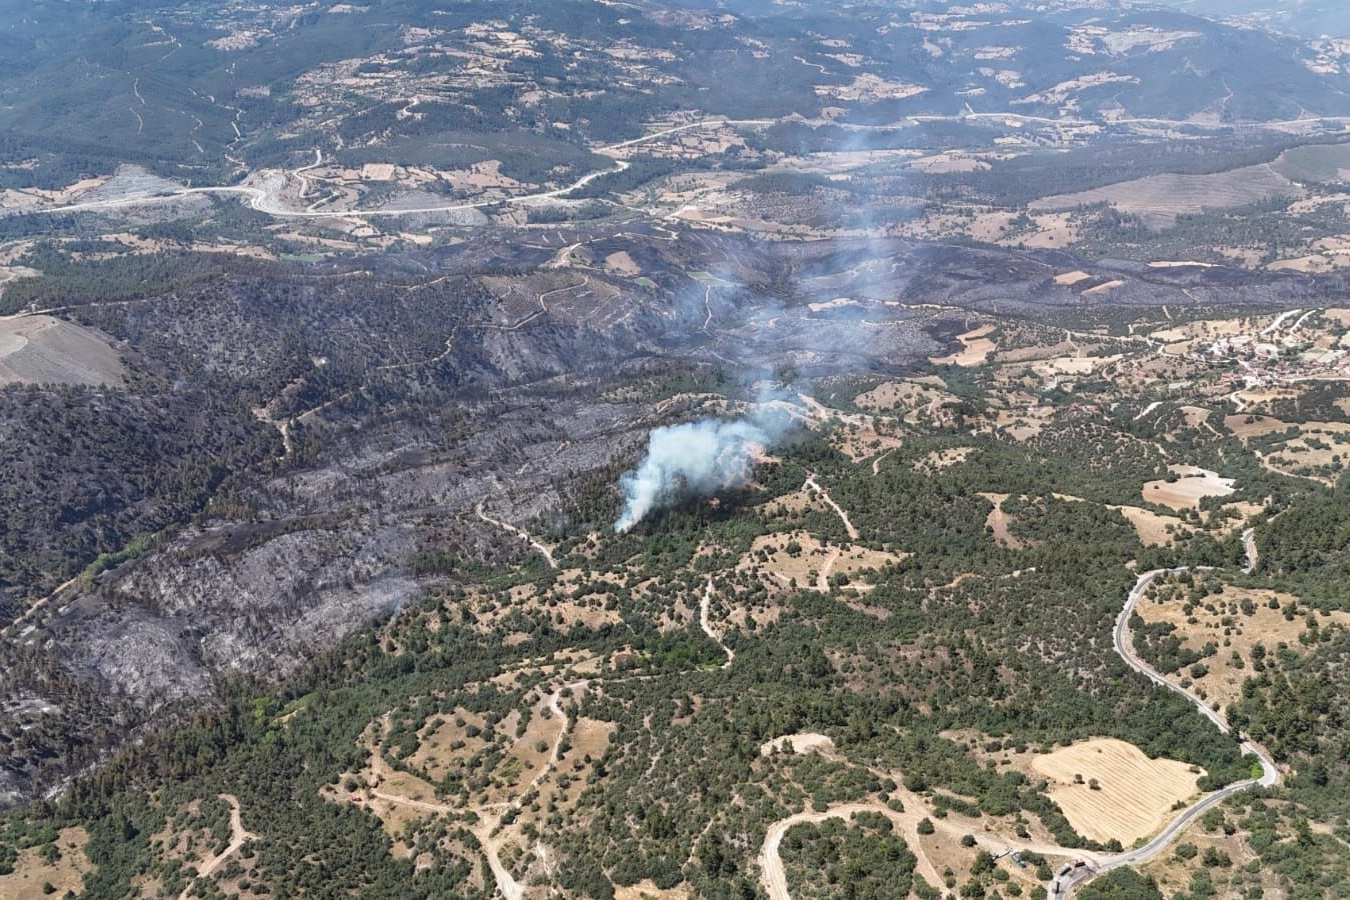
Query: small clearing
[(1069, 279), (1135, 794), (997, 521), (803, 742)]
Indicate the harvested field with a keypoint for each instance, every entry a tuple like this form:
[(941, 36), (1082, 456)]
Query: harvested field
[(1249, 426), (1159, 199), (1187, 491), (1104, 288), (47, 350), (1135, 796), (976, 344), (1069, 279)]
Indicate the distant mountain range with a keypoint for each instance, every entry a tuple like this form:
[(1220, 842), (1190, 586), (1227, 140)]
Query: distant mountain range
[(1310, 19)]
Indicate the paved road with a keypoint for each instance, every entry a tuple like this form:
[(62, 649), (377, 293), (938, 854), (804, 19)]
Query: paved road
[(266, 199), (1270, 776)]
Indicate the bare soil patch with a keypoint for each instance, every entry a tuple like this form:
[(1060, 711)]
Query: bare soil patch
[(1135, 796), (802, 742)]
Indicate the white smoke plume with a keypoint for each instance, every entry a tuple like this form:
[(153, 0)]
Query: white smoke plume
[(701, 458)]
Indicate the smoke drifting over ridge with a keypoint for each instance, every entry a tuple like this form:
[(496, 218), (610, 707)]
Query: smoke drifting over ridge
[(703, 457)]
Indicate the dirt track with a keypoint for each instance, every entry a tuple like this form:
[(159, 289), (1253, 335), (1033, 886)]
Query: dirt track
[(238, 836)]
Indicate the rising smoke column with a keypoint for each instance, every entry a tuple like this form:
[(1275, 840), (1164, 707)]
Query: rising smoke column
[(700, 458)]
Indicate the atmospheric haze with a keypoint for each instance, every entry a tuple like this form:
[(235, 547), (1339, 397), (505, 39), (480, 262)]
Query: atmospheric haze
[(703, 457)]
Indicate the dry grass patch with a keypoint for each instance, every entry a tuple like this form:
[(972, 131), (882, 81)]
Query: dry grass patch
[(1174, 875), (1154, 529), (896, 396), (1195, 416), (799, 559), (1072, 365), (1159, 199), (1069, 279), (65, 874), (647, 890), (1235, 621), (943, 459), (1319, 451), (1135, 794)]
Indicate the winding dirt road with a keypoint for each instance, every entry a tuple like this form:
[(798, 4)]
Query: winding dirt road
[(520, 533), (238, 836), (815, 487), (704, 608)]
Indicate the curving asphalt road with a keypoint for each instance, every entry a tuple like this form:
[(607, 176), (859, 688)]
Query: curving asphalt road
[(266, 199), (1270, 776)]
